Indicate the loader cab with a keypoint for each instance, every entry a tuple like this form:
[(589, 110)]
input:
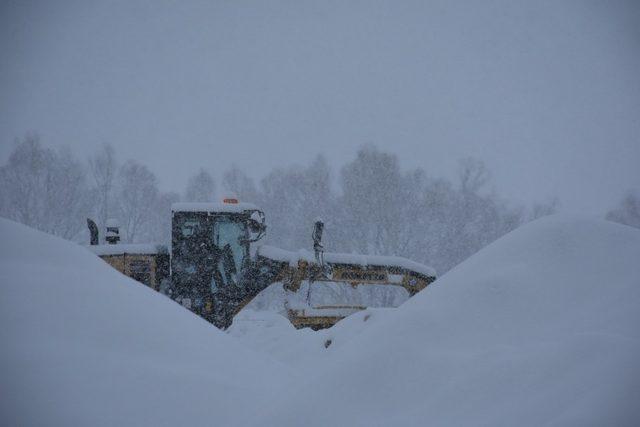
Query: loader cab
[(211, 261)]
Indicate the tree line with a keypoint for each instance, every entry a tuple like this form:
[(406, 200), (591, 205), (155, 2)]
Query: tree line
[(377, 208)]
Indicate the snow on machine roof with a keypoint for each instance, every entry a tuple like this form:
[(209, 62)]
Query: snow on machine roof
[(213, 207), (121, 249), (341, 258)]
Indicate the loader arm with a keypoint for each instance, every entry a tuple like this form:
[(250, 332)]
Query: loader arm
[(299, 272)]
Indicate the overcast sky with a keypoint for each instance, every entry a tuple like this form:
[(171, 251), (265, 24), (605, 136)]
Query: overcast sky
[(547, 93)]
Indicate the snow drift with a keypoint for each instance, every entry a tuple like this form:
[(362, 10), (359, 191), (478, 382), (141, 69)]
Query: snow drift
[(539, 328), (84, 345)]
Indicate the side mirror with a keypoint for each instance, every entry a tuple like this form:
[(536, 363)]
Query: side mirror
[(257, 226)]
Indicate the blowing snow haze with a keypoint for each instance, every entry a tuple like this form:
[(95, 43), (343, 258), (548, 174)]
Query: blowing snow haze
[(285, 213), (547, 94)]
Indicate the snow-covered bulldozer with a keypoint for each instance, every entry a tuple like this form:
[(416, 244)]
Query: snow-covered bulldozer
[(218, 264)]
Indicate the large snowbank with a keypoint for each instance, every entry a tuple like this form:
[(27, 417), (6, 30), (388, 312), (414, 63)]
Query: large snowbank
[(84, 345), (539, 328)]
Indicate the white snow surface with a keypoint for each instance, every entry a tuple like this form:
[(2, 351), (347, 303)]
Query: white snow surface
[(275, 298), (212, 207), (539, 328), (124, 248), (83, 345), (292, 258)]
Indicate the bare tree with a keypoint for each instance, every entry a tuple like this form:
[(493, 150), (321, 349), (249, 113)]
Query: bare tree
[(373, 199), (24, 179), (473, 174), (628, 210), (540, 209), (68, 198), (201, 187), (44, 189), (137, 197), (293, 198), (237, 182)]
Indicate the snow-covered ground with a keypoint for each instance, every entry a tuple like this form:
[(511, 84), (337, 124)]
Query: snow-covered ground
[(539, 328), (83, 345)]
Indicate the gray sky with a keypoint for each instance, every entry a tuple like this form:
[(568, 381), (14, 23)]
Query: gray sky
[(547, 93)]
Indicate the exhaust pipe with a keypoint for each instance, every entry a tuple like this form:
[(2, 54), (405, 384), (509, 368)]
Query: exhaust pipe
[(93, 231)]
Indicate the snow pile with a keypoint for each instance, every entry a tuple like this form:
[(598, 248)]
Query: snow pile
[(326, 293), (539, 328), (269, 332), (84, 345), (312, 352)]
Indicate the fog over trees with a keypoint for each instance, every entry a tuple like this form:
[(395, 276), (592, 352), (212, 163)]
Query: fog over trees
[(201, 187), (45, 189), (628, 210), (377, 207)]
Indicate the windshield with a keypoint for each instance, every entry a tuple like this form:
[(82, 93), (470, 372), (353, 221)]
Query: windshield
[(228, 235)]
